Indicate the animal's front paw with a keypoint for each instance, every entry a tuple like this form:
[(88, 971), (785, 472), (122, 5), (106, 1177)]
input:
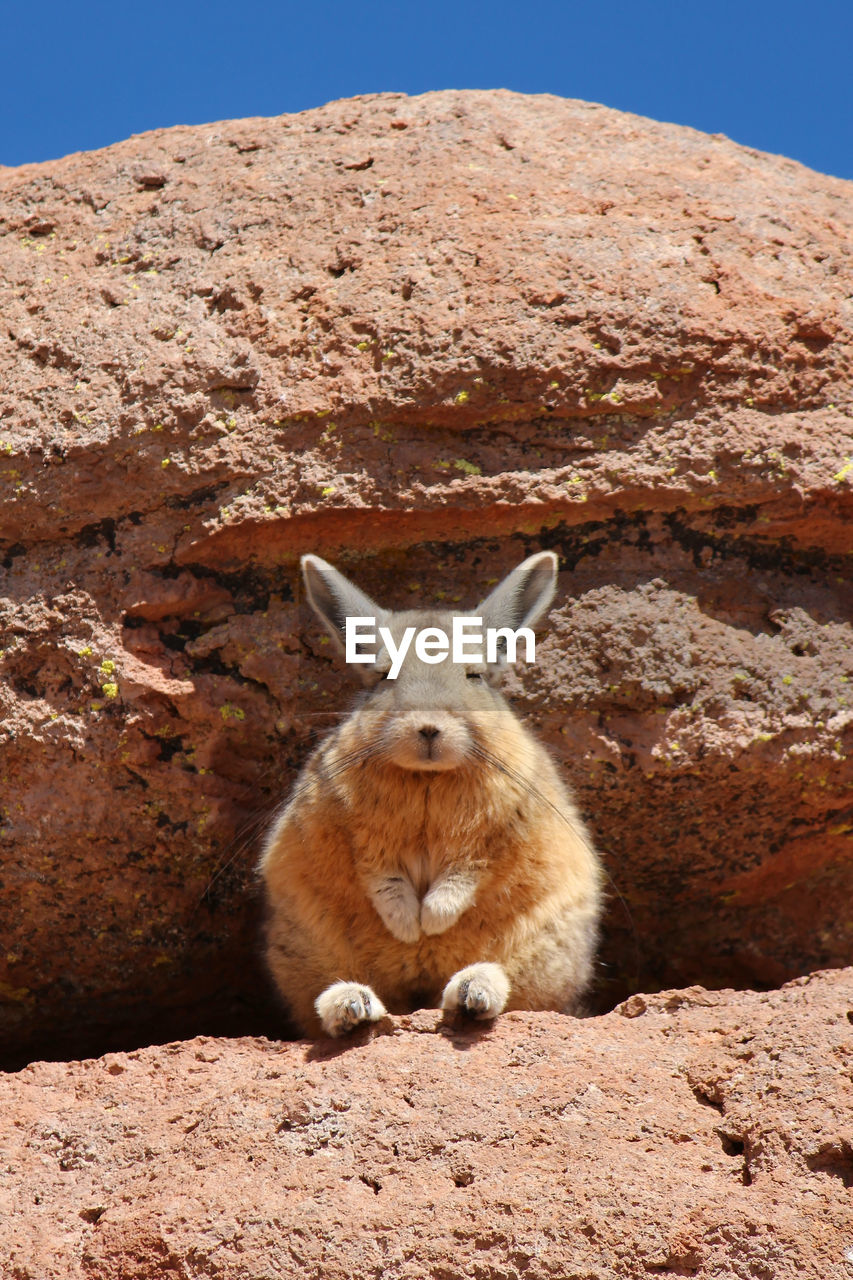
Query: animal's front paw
[(437, 915), (397, 905), (345, 1005), (445, 903), (481, 991)]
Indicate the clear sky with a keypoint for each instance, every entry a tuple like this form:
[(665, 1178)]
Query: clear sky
[(773, 74)]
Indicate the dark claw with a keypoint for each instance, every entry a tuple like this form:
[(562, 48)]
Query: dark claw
[(478, 1001), (472, 999)]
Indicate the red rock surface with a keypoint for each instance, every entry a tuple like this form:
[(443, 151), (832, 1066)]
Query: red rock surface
[(421, 337), (696, 1133)]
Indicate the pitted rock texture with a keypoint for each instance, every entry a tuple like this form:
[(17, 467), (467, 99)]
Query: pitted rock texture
[(694, 1133), (422, 337)]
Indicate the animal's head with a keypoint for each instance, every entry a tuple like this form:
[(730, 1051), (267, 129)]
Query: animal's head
[(426, 707)]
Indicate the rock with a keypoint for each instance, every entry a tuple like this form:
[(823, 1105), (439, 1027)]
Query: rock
[(709, 1137), (422, 337)]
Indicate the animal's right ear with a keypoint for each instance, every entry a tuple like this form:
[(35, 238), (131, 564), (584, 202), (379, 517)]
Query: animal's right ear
[(334, 599)]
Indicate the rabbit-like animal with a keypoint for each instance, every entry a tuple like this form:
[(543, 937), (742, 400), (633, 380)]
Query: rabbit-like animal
[(429, 854)]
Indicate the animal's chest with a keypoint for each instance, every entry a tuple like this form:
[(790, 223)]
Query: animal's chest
[(421, 855), (416, 839), (421, 870)]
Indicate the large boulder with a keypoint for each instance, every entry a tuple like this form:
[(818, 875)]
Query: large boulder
[(422, 337), (696, 1133)]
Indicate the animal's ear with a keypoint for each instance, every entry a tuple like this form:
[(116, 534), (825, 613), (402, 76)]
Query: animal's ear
[(334, 599), (523, 597)]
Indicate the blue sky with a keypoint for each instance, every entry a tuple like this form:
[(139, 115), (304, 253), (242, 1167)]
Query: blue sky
[(772, 75)]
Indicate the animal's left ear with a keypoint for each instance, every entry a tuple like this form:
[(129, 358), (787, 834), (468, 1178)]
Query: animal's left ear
[(525, 594), (334, 598)]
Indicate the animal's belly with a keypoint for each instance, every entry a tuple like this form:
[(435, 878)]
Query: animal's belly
[(413, 975)]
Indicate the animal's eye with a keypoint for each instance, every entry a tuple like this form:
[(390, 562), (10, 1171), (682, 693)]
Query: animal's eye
[(474, 675)]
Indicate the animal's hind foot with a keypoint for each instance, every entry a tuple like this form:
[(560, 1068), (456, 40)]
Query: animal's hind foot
[(481, 991), (345, 1005)]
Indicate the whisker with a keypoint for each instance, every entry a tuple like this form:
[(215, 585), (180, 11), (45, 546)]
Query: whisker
[(253, 825), (341, 766), (488, 757)]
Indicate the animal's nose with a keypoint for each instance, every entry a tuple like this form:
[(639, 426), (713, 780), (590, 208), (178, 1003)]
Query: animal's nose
[(429, 732)]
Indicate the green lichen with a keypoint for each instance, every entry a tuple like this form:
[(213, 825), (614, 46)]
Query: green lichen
[(21, 995), (468, 468), (229, 712)]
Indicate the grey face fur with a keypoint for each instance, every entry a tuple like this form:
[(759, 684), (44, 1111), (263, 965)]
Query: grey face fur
[(424, 718)]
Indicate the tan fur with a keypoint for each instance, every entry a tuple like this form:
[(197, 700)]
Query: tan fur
[(414, 878)]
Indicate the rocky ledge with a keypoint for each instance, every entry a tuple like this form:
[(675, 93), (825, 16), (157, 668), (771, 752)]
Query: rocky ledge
[(692, 1133)]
